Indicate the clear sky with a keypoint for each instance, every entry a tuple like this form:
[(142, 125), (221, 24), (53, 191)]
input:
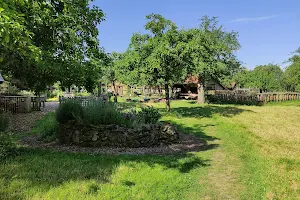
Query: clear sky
[(269, 30)]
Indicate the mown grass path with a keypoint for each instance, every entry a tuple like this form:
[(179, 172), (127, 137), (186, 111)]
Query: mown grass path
[(252, 153)]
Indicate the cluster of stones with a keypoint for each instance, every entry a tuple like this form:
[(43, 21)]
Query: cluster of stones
[(151, 135)]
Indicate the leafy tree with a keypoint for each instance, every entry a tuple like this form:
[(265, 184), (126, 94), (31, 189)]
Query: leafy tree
[(65, 34), (212, 53), (157, 57), (264, 77), (292, 73)]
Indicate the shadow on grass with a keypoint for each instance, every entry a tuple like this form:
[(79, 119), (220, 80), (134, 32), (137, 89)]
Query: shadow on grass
[(44, 169), (208, 111)]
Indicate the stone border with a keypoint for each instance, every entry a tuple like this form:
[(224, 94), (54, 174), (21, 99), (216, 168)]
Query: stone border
[(187, 143), (144, 135)]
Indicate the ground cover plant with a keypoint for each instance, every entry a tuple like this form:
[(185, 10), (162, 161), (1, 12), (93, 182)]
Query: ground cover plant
[(252, 153)]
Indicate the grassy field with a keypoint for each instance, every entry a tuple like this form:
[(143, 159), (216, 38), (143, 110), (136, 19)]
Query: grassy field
[(254, 154)]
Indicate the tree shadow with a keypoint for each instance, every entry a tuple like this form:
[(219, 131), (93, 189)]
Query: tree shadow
[(209, 111), (196, 130), (44, 169)]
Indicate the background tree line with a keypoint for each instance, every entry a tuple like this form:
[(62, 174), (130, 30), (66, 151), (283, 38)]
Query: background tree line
[(45, 41), (270, 77)]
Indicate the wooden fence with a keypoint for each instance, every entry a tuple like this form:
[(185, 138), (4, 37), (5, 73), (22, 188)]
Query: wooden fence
[(15, 104), (254, 98), (83, 100), (276, 97)]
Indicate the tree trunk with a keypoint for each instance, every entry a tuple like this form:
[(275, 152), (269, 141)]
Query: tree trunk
[(99, 89), (167, 97), (200, 89), (115, 92)]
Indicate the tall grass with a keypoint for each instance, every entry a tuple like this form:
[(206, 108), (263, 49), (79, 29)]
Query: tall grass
[(47, 127)]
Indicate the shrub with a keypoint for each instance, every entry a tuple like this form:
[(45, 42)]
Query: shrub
[(71, 109), (4, 121), (47, 127), (149, 115), (97, 112)]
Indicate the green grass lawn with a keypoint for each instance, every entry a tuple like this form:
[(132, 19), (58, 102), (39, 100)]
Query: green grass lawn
[(254, 153)]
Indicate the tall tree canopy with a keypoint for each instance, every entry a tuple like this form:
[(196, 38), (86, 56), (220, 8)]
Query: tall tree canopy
[(212, 53), (157, 57), (62, 34), (292, 73)]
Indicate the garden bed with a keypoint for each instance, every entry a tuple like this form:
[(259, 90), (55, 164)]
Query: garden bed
[(186, 143)]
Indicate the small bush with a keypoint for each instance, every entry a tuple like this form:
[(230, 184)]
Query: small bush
[(97, 112), (47, 127), (149, 115), (69, 110), (7, 145)]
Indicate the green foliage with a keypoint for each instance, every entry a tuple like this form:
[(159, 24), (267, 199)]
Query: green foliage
[(265, 77), (149, 115), (212, 53), (94, 113), (156, 58), (69, 110), (47, 127), (47, 41), (292, 73), (97, 112)]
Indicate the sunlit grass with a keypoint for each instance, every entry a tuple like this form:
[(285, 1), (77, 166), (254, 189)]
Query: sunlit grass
[(253, 153)]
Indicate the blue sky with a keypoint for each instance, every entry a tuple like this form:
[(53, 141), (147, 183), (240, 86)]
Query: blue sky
[(269, 30)]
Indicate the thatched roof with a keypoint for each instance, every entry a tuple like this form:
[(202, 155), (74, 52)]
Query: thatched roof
[(1, 79)]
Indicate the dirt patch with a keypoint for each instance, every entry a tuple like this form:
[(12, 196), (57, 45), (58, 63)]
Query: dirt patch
[(187, 143)]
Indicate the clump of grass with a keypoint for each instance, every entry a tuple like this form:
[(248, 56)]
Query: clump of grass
[(7, 145), (47, 127)]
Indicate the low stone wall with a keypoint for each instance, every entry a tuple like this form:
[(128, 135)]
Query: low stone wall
[(117, 136)]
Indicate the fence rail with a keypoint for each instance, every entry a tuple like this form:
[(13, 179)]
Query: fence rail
[(84, 100), (15, 104), (254, 98)]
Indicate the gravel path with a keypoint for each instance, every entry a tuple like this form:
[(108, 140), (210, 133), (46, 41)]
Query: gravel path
[(24, 122)]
